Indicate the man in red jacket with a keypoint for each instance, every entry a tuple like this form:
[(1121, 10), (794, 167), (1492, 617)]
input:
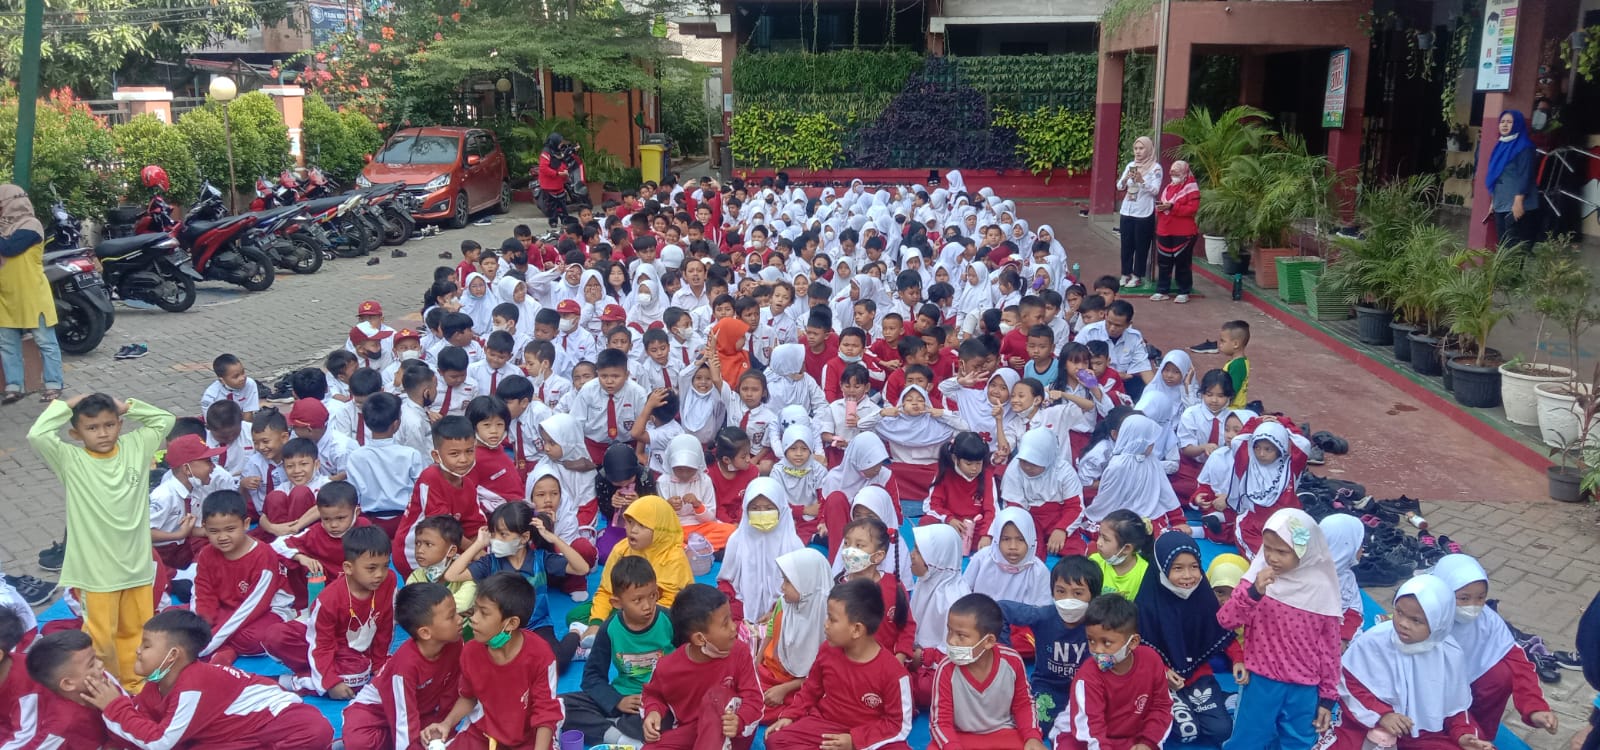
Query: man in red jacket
[(553, 179)]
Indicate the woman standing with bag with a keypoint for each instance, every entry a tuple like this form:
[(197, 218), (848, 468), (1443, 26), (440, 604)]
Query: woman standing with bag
[(26, 303), (1141, 183), (1176, 233)]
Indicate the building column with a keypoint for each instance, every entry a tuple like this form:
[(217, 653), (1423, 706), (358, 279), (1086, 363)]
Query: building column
[(1107, 133), (1180, 58), (1252, 80), (291, 104), (1536, 21), (152, 100), (730, 51)]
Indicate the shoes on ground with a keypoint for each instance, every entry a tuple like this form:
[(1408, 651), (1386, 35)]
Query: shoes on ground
[(34, 591), (1330, 442), (1205, 347), (50, 558), (132, 351), (1181, 299)]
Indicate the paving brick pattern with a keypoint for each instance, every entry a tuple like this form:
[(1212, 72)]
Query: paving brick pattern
[(1540, 554)]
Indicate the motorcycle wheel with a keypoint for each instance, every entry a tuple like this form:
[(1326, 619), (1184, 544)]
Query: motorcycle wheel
[(307, 243), (301, 259), (180, 295), (396, 230), (260, 277), (352, 238), (79, 326), (374, 232)]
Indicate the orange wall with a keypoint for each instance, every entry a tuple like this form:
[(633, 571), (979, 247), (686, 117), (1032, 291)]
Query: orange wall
[(614, 111)]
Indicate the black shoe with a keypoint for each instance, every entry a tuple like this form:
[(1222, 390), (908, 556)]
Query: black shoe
[(1206, 347), (132, 351), (1330, 442), (1401, 505), (50, 558), (445, 254), (1549, 672), (34, 591), (1212, 522), (1315, 456), (372, 261), (397, 253), (1375, 571), (1567, 660)]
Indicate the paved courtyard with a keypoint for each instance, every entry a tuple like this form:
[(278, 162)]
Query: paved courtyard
[(1540, 554)]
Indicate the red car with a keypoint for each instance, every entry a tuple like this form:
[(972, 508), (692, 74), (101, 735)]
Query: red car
[(452, 172)]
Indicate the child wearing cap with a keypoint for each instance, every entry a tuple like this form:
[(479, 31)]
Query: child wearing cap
[(175, 503), (407, 345), (373, 348), (308, 418), (573, 343)]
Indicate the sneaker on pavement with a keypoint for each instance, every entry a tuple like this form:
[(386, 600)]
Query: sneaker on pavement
[(1567, 660), (1159, 297), (1205, 347), (50, 558), (33, 590), (485, 221), (372, 261), (134, 351), (397, 253), (1182, 299)]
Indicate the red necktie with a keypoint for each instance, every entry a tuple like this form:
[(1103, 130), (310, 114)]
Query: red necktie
[(744, 420), (686, 354), (445, 407), (230, 396), (541, 391), (361, 431), (494, 381), (611, 417), (1213, 438), (270, 483), (667, 375)]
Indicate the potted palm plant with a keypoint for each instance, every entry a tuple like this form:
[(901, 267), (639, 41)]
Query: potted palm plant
[(1473, 301), (1570, 483), (1370, 268), (1560, 290), (1265, 194), (1419, 265), (1210, 144)]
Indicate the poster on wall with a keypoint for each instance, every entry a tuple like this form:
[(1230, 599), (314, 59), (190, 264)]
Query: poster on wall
[(1496, 44), (1334, 95)]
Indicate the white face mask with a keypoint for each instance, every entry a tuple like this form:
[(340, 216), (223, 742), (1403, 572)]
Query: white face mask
[(1006, 328), (435, 571), (961, 656), (1182, 593), (502, 548), (1119, 559), (1421, 647), (855, 560), (645, 297), (682, 334), (497, 327), (1468, 613), (568, 325), (409, 354), (1071, 610)]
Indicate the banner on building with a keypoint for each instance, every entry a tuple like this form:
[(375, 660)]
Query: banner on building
[(330, 20), (1497, 44), (1333, 97)]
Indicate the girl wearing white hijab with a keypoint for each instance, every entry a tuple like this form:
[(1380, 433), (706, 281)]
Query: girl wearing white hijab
[(1040, 482), (688, 489), (1493, 664), (1345, 536), (1404, 681), (1267, 461), (1215, 480), (788, 383), (1133, 478), (937, 564), (1288, 601), (702, 406), (1011, 567), (479, 304), (649, 296), (750, 575), (801, 480), (865, 464), (915, 430), (578, 507), (874, 502), (794, 631), (955, 182)]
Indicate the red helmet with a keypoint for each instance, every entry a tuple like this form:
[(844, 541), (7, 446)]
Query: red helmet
[(154, 176), (287, 179)]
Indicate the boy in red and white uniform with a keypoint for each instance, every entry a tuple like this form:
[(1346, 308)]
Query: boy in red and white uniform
[(43, 705), (1125, 701), (240, 584), (352, 621), (419, 683), (980, 691), (445, 488), (708, 685), (188, 704)]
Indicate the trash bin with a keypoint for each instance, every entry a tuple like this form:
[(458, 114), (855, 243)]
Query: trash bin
[(652, 161)]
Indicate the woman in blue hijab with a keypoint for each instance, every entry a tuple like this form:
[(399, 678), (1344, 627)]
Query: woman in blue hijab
[(1511, 182)]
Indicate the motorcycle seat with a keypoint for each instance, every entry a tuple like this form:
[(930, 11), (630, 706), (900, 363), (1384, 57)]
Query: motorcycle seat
[(120, 246), (273, 213), (192, 230), (124, 214), (318, 205)]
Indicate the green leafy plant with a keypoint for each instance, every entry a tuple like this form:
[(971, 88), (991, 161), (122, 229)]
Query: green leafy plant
[(1560, 288), (781, 139), (1473, 300), (1371, 269), (523, 139), (70, 151), (1028, 82), (146, 140), (684, 110), (1585, 61), (260, 139), (1421, 268), (338, 142), (1122, 12), (1262, 196), (1211, 144), (1053, 138)]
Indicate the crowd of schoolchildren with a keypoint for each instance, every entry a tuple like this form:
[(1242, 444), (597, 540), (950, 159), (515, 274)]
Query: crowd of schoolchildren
[(772, 380)]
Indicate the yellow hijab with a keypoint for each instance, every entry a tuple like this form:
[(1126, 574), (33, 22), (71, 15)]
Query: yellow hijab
[(665, 554)]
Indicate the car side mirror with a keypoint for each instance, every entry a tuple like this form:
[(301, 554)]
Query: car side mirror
[(473, 160)]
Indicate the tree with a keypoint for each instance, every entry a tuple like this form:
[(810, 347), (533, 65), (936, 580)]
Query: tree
[(87, 41)]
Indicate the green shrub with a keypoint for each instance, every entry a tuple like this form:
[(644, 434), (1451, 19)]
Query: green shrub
[(856, 71), (1027, 82), (70, 146), (1052, 138), (338, 142), (146, 140), (785, 138), (684, 112), (260, 139)]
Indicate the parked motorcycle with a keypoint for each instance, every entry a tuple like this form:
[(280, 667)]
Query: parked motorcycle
[(219, 253), (83, 303), (385, 210), (149, 267), (271, 233)]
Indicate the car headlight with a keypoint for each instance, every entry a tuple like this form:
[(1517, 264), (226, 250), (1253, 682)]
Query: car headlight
[(438, 183), (362, 181)]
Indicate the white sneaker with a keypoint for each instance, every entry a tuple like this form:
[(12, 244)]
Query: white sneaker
[(1133, 281), (1159, 297), (1123, 280), (580, 597), (1181, 299)]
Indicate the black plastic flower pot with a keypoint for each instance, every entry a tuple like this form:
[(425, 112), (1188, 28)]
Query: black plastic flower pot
[(1425, 355), (1372, 325), (1473, 385), (1401, 345), (1566, 483)]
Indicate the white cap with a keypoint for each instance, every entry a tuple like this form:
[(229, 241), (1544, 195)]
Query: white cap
[(672, 256)]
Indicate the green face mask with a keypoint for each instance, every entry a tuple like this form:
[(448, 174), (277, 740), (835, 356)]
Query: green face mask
[(160, 673), (500, 639)]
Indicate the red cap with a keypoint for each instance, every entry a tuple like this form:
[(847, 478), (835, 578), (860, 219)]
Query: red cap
[(308, 412), (568, 307), (658, 324), (612, 312), (370, 307), (364, 332), (186, 448), (407, 333)]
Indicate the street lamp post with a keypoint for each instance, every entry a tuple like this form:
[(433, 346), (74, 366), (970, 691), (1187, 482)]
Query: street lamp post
[(223, 90)]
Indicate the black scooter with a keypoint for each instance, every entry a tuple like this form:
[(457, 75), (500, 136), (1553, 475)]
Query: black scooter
[(148, 267), (83, 303)]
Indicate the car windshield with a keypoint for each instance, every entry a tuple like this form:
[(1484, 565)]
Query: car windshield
[(419, 149)]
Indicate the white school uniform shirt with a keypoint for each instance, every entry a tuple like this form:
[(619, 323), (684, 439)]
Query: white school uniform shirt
[(1194, 427), (415, 432), (238, 452), (384, 471), (755, 422), (589, 407), (1060, 419), (832, 419), (656, 450), (575, 347), (171, 499), (387, 374), (272, 478), (651, 376), (683, 353), (550, 388), (453, 401), (486, 379), (343, 417), (333, 451), (473, 349), (248, 397), (522, 435), (1128, 354), (688, 300), (336, 387), (1061, 328)]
